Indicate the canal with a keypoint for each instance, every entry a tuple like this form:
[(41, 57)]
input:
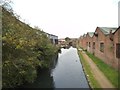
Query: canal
[(66, 72)]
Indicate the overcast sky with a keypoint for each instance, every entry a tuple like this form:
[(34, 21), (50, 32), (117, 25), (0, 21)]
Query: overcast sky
[(68, 18)]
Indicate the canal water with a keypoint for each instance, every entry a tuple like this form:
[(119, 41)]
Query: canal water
[(66, 72)]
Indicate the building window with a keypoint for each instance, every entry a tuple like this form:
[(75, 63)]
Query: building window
[(93, 45), (118, 50), (56, 41), (89, 44), (102, 47)]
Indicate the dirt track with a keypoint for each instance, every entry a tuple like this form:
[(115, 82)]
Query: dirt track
[(99, 76)]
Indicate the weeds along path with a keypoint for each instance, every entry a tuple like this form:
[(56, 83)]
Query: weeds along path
[(99, 76)]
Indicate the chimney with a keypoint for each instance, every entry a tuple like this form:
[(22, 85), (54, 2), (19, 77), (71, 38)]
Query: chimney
[(111, 35)]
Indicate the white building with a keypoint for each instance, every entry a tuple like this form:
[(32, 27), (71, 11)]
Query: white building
[(53, 38)]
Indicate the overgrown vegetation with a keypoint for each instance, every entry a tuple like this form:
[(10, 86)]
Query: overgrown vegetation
[(24, 50), (92, 81), (108, 71)]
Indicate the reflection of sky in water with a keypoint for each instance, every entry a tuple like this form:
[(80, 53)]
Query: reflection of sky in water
[(68, 72)]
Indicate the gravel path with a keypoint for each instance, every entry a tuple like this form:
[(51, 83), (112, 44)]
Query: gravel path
[(99, 76)]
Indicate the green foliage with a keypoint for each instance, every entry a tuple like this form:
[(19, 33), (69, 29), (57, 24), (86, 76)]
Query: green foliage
[(67, 39), (24, 50), (109, 72)]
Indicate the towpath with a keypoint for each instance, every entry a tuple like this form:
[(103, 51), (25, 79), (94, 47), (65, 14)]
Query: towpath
[(99, 76)]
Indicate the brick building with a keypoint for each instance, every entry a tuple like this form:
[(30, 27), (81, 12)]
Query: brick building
[(103, 43), (82, 42), (116, 39), (89, 36)]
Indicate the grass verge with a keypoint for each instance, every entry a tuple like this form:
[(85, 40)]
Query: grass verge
[(92, 81), (108, 71)]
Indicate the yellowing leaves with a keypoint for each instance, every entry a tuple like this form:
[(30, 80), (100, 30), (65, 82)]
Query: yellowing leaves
[(18, 47), (21, 51)]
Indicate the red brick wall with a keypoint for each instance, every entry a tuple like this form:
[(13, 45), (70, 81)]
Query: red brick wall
[(100, 39), (82, 42), (109, 54), (109, 51), (119, 42), (94, 40), (116, 38), (89, 40)]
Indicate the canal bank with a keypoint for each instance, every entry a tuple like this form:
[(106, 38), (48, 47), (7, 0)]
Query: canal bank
[(96, 78), (88, 73)]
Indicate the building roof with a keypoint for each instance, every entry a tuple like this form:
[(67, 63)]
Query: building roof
[(81, 37), (106, 30), (51, 34), (84, 35), (90, 34), (117, 29)]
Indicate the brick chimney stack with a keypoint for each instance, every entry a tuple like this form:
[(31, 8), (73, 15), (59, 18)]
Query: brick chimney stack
[(111, 35)]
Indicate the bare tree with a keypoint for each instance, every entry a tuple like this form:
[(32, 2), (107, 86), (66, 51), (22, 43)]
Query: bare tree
[(6, 4)]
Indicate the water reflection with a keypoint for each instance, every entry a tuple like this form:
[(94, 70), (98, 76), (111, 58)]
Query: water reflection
[(65, 72), (44, 80), (68, 72)]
